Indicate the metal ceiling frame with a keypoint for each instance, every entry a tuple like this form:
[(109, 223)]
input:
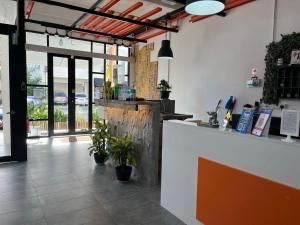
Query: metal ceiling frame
[(99, 13), (69, 28)]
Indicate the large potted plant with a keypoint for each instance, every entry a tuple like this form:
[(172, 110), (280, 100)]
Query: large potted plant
[(123, 151), (165, 89), (101, 135)]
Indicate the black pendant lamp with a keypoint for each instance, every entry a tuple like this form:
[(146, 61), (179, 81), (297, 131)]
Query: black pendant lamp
[(204, 7), (165, 52)]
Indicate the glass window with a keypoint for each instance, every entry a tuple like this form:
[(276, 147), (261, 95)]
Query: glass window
[(98, 83), (98, 48), (37, 69), (68, 43), (98, 65), (123, 72), (111, 69), (123, 51), (36, 39), (111, 49)]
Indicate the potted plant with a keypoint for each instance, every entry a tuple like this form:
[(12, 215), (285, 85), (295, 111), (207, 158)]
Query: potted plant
[(100, 136), (122, 150), (165, 89)]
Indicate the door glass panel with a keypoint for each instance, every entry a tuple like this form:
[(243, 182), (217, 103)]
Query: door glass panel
[(5, 136), (81, 95), (37, 111), (60, 96)]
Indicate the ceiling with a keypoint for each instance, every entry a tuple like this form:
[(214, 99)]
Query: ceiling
[(147, 11), (136, 9)]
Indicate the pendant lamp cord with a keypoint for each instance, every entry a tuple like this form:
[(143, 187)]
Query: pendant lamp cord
[(168, 59)]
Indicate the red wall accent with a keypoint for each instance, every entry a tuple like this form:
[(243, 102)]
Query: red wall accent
[(227, 196)]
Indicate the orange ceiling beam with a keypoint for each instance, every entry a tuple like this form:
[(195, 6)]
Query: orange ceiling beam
[(29, 9), (123, 14), (116, 25), (143, 17), (134, 26), (230, 5), (103, 9)]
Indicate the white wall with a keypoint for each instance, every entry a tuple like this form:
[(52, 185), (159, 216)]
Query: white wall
[(214, 57)]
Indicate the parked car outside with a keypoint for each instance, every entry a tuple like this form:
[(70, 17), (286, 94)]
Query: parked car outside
[(81, 99), (60, 98)]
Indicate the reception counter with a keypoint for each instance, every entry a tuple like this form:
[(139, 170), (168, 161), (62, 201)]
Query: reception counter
[(215, 177)]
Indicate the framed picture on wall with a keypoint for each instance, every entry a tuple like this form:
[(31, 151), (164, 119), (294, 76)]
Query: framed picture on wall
[(295, 57)]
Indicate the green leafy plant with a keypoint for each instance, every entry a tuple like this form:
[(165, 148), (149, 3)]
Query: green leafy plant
[(122, 150), (60, 116), (164, 86), (37, 111), (275, 50), (101, 135)]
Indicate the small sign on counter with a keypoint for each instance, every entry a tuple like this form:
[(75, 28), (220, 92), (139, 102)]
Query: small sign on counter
[(290, 122)]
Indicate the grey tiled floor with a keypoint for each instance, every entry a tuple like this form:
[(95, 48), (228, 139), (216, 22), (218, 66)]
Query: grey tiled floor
[(61, 184)]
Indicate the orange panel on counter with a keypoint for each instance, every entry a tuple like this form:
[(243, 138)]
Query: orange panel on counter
[(227, 196)]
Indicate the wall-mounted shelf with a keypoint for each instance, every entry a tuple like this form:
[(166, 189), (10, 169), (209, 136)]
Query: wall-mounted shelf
[(288, 83)]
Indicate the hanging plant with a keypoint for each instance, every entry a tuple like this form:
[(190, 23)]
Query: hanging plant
[(276, 50)]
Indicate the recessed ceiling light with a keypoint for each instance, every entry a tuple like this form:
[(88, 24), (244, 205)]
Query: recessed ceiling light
[(204, 7)]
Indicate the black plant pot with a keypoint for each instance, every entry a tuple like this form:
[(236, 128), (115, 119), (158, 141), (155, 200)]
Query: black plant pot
[(100, 158), (165, 94), (123, 173)]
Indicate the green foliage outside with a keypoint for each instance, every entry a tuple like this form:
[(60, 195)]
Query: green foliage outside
[(34, 77), (59, 115), (276, 50), (122, 149), (37, 112)]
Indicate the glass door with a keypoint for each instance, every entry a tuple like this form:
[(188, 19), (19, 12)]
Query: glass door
[(69, 95), (83, 111), (5, 113)]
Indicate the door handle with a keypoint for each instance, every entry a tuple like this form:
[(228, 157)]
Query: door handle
[(11, 113)]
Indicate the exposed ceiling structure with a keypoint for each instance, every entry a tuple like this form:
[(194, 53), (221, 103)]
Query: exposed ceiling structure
[(116, 21)]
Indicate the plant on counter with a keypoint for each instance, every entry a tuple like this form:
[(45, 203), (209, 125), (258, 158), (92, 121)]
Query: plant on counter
[(276, 50), (165, 89), (100, 137), (123, 151)]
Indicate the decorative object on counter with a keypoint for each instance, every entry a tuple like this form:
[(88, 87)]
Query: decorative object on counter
[(256, 106), (295, 57), (275, 50), (245, 122), (123, 151), (229, 108), (213, 116), (127, 94), (116, 91), (108, 90), (101, 134), (254, 81), (204, 7), (290, 121), (263, 123), (164, 88)]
